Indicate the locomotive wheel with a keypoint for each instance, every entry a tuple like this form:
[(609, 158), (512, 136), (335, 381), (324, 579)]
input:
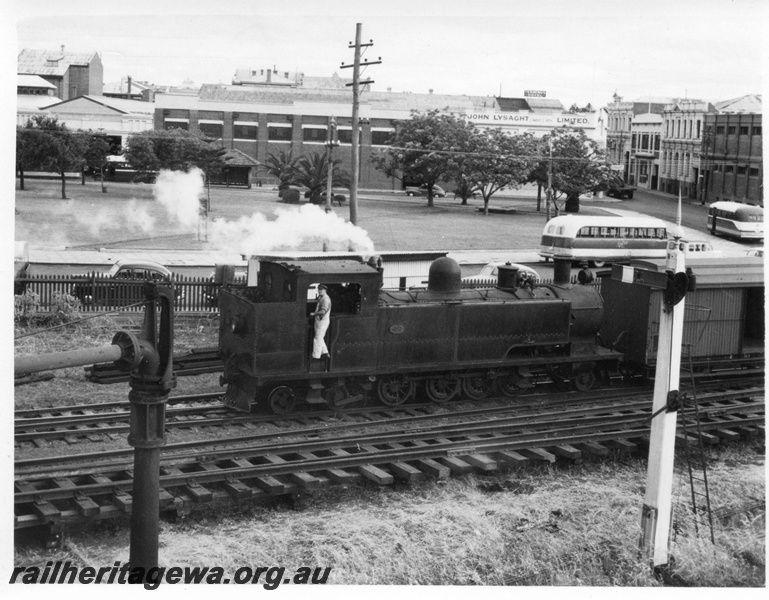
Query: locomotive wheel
[(507, 385), (584, 381), (442, 389), (475, 387), (282, 400), (394, 391)]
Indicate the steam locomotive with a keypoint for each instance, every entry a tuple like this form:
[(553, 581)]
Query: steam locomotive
[(441, 341)]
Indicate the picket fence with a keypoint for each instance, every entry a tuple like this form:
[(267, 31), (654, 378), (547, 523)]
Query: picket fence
[(98, 293)]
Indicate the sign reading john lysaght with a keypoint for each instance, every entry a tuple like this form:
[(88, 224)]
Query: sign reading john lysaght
[(534, 93), (536, 123)]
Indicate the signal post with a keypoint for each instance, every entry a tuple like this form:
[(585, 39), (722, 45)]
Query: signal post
[(657, 507)]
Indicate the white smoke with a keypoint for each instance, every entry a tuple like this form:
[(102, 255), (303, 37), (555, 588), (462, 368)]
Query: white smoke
[(293, 228), (180, 194), (133, 218), (304, 227)]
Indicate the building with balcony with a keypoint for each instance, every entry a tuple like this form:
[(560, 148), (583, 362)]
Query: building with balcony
[(620, 115), (681, 144), (645, 136), (732, 156)]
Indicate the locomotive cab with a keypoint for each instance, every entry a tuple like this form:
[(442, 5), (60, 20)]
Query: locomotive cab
[(266, 330)]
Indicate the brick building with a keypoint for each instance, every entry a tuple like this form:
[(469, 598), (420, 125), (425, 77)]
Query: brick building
[(732, 158), (260, 120)]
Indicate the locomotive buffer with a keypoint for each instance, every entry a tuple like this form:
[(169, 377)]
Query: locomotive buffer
[(657, 507)]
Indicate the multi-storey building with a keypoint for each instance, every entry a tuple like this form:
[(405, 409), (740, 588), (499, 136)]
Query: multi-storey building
[(645, 134), (260, 120), (73, 73), (732, 158), (681, 145), (619, 120)]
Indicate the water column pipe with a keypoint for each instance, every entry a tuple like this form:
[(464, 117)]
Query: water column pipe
[(149, 358)]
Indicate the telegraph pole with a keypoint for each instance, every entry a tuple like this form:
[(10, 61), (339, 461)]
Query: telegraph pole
[(356, 83), (549, 196), (331, 143)]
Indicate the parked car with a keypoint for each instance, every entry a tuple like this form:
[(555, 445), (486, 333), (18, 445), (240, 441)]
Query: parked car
[(491, 271), (438, 191), (110, 288), (617, 190)]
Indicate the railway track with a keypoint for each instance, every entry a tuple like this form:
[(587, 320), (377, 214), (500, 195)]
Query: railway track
[(409, 448), (99, 422)]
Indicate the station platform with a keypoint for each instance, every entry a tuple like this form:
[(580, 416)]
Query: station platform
[(44, 261)]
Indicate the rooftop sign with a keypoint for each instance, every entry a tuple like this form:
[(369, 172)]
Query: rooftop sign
[(549, 120)]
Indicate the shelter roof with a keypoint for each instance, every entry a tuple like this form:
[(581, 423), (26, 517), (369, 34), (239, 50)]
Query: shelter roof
[(33, 81), (237, 158)]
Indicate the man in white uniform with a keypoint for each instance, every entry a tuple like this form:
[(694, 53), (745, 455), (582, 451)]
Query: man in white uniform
[(322, 316)]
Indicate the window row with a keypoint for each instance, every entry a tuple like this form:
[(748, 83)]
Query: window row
[(732, 130), (644, 233), (741, 170), (277, 133), (675, 128)]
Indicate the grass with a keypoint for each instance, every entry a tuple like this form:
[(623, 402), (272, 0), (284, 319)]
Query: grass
[(566, 526), (392, 221)]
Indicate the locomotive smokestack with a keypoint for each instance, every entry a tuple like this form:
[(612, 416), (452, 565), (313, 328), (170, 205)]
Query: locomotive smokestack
[(561, 272), (445, 276)]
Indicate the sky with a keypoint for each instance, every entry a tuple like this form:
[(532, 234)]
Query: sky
[(577, 52)]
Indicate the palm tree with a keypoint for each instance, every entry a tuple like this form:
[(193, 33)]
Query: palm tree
[(312, 172), (281, 166)]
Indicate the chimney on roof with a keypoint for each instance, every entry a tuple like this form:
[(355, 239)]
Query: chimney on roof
[(431, 90), (129, 85), (62, 48)]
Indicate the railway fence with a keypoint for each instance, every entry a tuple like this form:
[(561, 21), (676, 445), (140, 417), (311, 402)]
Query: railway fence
[(95, 292)]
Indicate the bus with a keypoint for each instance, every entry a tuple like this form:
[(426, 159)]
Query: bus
[(736, 220), (601, 240)]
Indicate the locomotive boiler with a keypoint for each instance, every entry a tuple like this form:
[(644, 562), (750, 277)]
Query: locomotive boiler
[(441, 341)]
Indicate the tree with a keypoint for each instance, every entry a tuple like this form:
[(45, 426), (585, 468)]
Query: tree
[(97, 150), (312, 172), (497, 160), (51, 146), (465, 188), (174, 150), (425, 149), (30, 146), (578, 166), (585, 109), (281, 166)]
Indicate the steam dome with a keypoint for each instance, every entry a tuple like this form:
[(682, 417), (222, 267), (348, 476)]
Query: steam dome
[(445, 275)]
